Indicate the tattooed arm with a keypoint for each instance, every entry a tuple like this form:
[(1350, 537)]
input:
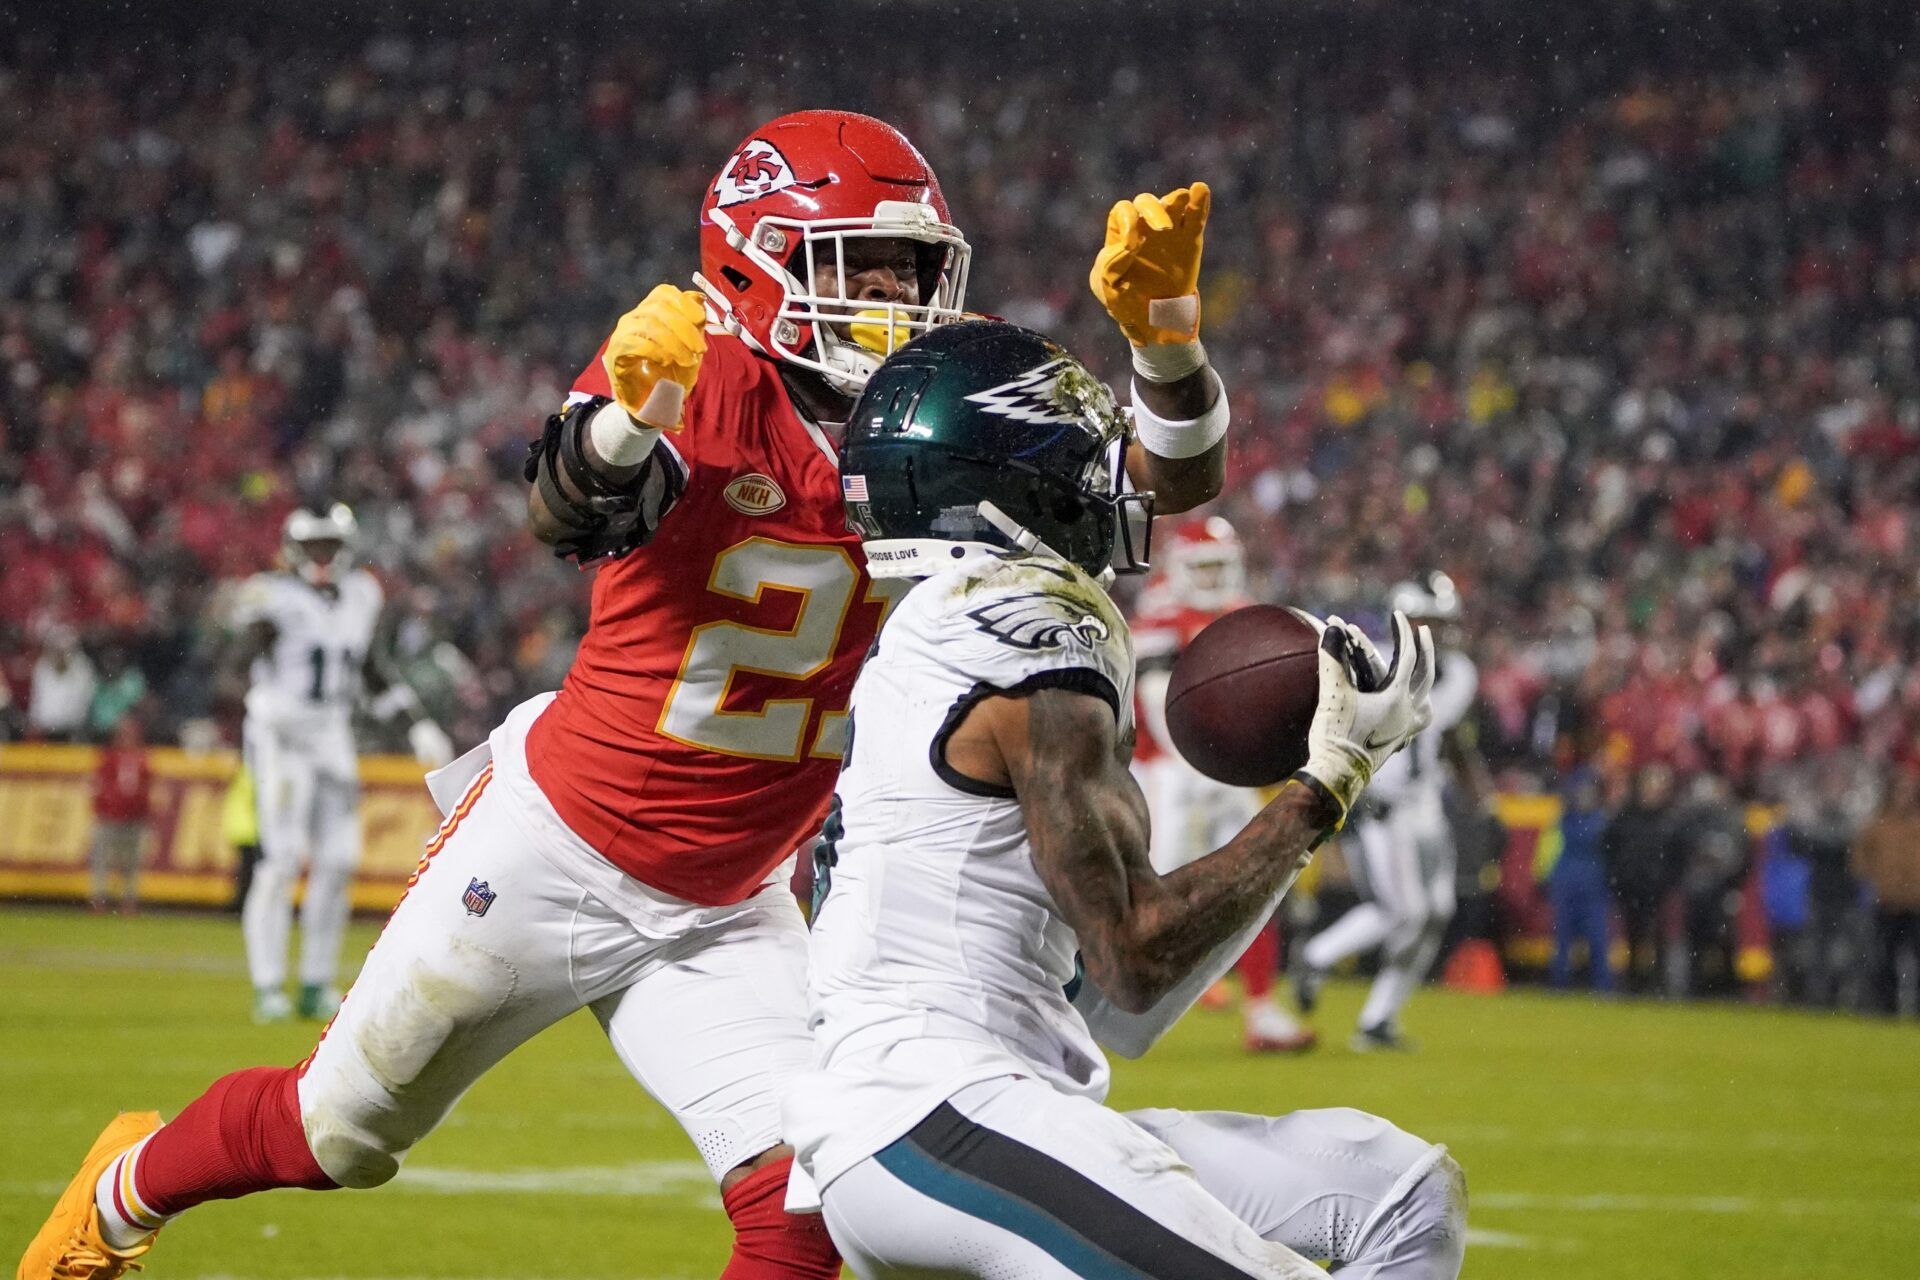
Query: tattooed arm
[(1140, 933)]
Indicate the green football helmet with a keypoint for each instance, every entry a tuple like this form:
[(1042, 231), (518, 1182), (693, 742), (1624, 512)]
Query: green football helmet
[(983, 436)]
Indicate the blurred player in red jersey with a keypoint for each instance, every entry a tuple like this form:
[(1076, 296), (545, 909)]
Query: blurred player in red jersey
[(1201, 575), (122, 809), (622, 845)]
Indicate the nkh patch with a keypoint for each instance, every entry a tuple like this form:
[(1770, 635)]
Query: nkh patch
[(478, 897), (754, 495)]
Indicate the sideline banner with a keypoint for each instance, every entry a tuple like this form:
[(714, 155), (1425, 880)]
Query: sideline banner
[(1526, 916), (46, 823)]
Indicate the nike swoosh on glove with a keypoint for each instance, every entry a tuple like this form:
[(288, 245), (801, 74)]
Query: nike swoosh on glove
[(1369, 708)]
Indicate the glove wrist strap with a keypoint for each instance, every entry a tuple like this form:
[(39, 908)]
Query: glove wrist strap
[(1168, 361), (1173, 438), (1338, 805)]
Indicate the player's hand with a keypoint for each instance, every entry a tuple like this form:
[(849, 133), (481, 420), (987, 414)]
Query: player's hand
[(1148, 275), (431, 745), (1369, 708), (653, 357)]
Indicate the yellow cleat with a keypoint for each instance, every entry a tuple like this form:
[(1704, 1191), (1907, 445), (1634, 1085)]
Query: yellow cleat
[(70, 1246)]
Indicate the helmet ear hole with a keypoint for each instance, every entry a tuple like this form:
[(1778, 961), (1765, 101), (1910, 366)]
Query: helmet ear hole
[(737, 278)]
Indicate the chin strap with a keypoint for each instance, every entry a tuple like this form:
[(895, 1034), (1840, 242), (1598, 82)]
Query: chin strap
[(1026, 540), (846, 365), (1023, 538)]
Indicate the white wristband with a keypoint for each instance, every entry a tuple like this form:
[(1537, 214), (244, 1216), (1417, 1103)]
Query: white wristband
[(1168, 361), (619, 439), (1168, 438)]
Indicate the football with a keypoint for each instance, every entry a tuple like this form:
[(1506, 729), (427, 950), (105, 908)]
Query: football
[(1242, 696)]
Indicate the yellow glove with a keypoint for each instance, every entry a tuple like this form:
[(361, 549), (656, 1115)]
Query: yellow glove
[(653, 357), (1148, 275)]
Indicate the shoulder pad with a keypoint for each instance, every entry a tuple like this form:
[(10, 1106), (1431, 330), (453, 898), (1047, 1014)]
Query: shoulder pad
[(1003, 622), (367, 583), (255, 600), (1033, 604)]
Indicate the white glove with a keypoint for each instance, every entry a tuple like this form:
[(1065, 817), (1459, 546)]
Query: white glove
[(1369, 709), (431, 745)]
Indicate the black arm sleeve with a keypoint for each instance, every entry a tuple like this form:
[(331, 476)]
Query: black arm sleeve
[(614, 518)]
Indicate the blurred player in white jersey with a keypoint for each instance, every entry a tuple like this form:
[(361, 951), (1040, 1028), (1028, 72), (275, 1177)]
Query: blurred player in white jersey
[(1201, 573), (305, 640), (1402, 853), (989, 920)]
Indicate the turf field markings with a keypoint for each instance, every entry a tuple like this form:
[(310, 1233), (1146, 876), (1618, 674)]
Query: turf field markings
[(685, 1180), (69, 958), (46, 1187), (484, 1117), (1634, 1202), (1672, 1139), (1480, 1238), (227, 1275)]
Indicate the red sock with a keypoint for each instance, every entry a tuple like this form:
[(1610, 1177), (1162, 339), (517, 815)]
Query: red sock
[(768, 1242), (242, 1135), (1259, 962)]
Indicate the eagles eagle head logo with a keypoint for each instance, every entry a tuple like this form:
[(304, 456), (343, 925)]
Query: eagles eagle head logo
[(1039, 620)]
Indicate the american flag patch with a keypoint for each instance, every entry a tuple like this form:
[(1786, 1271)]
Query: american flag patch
[(478, 897), (853, 488)]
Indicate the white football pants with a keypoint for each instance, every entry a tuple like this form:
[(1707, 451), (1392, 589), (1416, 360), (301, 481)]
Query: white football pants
[(1403, 868), (492, 944), (1011, 1180), (308, 798), (1190, 814)]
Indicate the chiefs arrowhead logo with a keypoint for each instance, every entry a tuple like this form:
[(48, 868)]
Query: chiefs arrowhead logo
[(757, 169), (754, 495), (1039, 620)]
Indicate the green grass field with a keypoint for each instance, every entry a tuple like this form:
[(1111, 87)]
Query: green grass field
[(1600, 1140)]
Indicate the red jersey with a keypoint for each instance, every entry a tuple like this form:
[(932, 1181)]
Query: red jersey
[(122, 786), (1163, 629), (698, 734)]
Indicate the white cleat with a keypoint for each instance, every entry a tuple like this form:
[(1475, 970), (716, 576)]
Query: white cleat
[(270, 1004), (1269, 1029)]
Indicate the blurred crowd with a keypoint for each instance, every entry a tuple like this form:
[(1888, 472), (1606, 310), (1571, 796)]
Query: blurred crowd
[(1622, 333), (1655, 884)]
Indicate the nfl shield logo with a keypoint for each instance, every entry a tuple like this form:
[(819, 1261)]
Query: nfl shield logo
[(478, 897)]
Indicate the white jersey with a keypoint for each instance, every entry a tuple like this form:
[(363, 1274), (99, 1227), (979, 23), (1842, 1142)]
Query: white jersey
[(938, 958), (311, 672), (1415, 774)]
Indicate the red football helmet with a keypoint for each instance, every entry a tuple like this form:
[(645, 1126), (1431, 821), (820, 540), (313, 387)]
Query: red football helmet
[(1206, 565), (790, 197)]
